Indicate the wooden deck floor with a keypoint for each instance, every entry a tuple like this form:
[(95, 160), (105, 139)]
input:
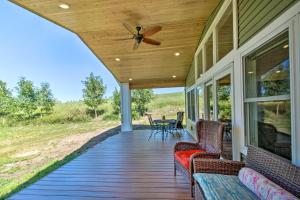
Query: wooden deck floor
[(124, 166)]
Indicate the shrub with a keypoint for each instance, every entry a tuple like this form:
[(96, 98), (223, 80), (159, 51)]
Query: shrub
[(74, 115), (91, 113), (111, 117)]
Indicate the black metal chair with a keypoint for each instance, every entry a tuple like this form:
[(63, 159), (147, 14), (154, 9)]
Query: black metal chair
[(155, 128), (178, 123)]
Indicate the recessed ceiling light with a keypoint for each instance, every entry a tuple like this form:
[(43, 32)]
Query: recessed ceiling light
[(177, 54), (174, 76), (285, 46), (278, 71), (250, 72), (117, 59), (130, 79), (64, 6)]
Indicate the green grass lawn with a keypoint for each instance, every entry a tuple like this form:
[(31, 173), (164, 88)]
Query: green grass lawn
[(28, 152)]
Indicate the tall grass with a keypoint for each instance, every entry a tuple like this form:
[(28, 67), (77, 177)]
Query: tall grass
[(167, 100), (67, 112), (167, 105)]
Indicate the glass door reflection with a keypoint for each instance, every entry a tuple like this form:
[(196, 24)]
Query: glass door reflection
[(224, 110)]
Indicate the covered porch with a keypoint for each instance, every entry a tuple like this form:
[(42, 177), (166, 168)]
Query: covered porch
[(222, 52)]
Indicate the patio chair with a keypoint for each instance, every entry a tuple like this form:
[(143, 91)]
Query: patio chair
[(178, 123), (155, 128), (208, 145)]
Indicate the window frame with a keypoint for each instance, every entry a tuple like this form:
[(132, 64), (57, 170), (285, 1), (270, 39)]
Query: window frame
[(199, 66), (205, 46), (247, 101), (191, 114), (217, 28)]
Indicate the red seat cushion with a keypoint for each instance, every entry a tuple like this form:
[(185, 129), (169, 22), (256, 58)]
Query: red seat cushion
[(184, 156)]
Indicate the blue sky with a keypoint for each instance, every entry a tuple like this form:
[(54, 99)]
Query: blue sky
[(41, 51)]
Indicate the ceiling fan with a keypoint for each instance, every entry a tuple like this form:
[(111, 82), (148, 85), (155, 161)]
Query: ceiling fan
[(142, 37)]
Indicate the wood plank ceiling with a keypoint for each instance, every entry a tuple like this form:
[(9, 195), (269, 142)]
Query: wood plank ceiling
[(99, 23)]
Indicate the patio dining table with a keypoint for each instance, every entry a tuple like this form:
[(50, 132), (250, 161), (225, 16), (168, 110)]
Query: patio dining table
[(164, 124)]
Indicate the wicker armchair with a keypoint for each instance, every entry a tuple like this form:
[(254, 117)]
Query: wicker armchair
[(208, 145), (277, 169)]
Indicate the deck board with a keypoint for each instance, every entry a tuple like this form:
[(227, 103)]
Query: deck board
[(124, 166)]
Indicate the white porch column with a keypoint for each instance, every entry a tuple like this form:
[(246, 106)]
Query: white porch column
[(125, 108)]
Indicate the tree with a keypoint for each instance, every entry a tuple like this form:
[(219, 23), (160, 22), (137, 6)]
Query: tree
[(45, 99), (5, 99), (141, 98), (224, 102), (93, 92), (26, 100), (116, 103)]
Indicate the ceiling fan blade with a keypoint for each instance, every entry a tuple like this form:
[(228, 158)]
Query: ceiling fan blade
[(123, 39), (129, 28), (150, 41), (136, 45), (152, 31)]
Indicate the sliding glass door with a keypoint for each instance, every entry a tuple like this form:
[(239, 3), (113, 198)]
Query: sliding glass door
[(224, 110), (215, 103)]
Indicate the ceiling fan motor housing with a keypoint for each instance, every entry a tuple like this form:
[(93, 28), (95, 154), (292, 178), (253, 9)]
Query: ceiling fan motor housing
[(139, 38), (138, 28)]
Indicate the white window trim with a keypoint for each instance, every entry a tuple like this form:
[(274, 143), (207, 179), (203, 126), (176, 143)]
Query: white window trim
[(296, 90)]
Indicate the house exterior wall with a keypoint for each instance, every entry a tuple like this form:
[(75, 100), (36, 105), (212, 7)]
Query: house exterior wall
[(271, 19), (190, 79), (256, 14)]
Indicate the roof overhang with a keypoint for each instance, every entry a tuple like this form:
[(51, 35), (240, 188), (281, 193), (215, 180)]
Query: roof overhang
[(99, 24)]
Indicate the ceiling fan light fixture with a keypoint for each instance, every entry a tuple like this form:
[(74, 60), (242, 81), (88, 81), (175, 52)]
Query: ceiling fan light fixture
[(174, 76), (130, 79), (176, 54), (117, 59), (64, 6)]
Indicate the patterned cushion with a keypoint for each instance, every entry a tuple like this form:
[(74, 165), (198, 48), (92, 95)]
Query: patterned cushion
[(223, 187), (263, 187), (184, 156)]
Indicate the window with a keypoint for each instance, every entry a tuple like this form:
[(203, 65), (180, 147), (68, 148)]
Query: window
[(200, 64), (191, 105), (188, 97), (225, 34), (209, 53), (267, 97), (201, 110), (210, 101)]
